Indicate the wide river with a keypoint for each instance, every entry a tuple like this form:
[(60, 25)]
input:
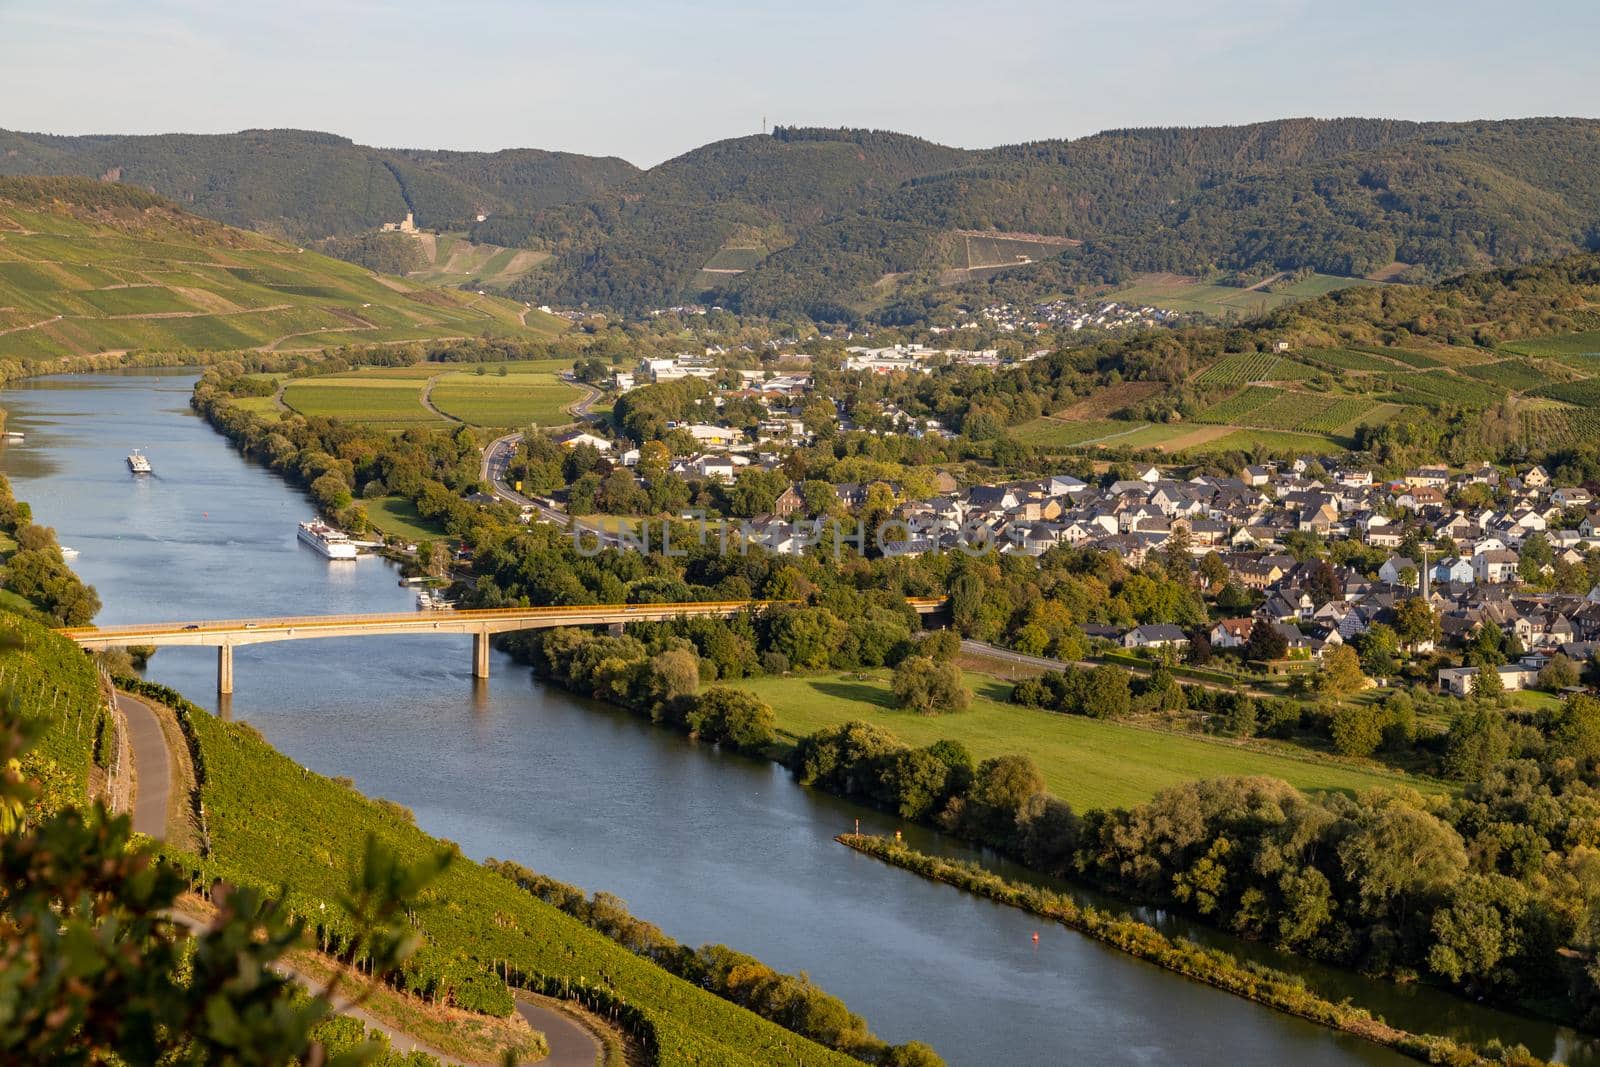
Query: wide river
[(711, 846)]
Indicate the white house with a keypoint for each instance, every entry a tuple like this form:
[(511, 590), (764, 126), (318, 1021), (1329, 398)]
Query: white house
[(1463, 680), (579, 437), (1232, 633), (1495, 567), (1154, 635)]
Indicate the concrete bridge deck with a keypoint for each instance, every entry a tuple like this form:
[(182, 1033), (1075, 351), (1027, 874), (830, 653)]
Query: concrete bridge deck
[(225, 634)]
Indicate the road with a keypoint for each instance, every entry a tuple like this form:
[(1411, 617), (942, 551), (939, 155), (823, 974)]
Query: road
[(152, 767), (497, 457), (492, 472), (571, 1045)]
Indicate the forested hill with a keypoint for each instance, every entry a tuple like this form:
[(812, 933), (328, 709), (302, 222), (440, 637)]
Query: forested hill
[(844, 223), (1413, 202), (306, 185)]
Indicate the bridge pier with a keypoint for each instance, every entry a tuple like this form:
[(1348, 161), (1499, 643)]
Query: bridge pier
[(225, 670), (480, 655)]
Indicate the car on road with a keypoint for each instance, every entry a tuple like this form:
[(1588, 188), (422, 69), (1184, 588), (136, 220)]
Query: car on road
[(192, 626)]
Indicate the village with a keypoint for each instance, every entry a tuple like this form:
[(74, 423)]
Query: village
[(1480, 547)]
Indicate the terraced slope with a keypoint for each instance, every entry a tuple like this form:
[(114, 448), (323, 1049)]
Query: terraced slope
[(87, 267)]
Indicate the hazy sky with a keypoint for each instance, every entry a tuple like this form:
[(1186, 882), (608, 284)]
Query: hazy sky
[(647, 81)]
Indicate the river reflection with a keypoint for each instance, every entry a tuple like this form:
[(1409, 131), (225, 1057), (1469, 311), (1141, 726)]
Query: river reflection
[(709, 845)]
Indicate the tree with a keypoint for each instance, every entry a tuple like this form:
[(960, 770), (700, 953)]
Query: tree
[(1341, 672), (1106, 693), (1324, 584), (1357, 729), (96, 971), (1234, 598), (1266, 642), (1559, 673), (924, 685), (1398, 852), (807, 636), (1213, 571), (1487, 684), (1479, 927), (673, 674), (1415, 622), (1476, 741), (734, 716), (940, 645), (999, 790), (921, 782), (1534, 558), (912, 1054), (1379, 647)]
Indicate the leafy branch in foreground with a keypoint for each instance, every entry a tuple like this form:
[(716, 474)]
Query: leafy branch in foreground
[(95, 965)]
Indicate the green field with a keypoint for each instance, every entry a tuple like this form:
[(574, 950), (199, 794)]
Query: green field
[(77, 280), (1435, 387), (1514, 374), (1089, 763), (387, 404), (1570, 344), (1271, 408), (397, 516), (392, 397), (1180, 293), (1347, 359), (1241, 368), (1276, 442), (452, 259), (513, 400), (1045, 432)]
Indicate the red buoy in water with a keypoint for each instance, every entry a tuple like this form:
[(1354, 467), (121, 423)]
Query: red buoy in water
[(1036, 937)]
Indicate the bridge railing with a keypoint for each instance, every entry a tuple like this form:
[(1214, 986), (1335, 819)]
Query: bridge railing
[(468, 614)]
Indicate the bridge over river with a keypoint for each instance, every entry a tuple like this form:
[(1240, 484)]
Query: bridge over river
[(225, 634)]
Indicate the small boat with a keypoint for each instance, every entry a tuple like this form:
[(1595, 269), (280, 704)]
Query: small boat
[(138, 464), (68, 553), (13, 435)]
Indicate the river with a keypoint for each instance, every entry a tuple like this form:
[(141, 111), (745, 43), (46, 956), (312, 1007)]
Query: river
[(710, 846)]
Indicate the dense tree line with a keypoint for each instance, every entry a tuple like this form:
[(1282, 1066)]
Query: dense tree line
[(1493, 893), (37, 572)]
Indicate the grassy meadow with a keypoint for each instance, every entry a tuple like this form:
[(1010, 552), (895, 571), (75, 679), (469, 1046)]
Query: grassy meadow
[(1089, 763), (393, 397)]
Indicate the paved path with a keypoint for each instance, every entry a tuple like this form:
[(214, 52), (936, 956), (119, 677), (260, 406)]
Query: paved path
[(152, 765), (571, 1044), (340, 1004), (427, 399)]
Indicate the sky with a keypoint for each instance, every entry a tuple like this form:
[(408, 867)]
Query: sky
[(648, 81)]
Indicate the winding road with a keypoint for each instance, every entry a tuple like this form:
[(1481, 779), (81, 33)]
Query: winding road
[(571, 1043), (152, 767)]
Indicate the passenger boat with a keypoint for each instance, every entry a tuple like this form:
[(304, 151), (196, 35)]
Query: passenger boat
[(138, 464), (332, 543)]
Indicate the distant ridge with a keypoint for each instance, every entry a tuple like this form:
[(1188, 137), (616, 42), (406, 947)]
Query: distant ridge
[(843, 223)]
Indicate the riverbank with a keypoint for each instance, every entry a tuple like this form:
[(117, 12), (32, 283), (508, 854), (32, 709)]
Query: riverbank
[(709, 844), (1209, 966)]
